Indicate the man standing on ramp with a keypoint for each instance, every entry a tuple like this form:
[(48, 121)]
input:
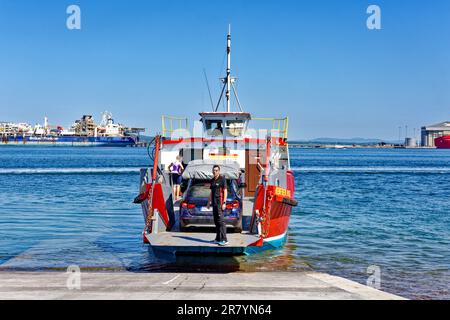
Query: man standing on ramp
[(218, 199)]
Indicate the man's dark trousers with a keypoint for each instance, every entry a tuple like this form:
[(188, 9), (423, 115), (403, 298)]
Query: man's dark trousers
[(221, 229)]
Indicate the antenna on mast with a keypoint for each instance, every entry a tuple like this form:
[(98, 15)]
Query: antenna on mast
[(228, 79)]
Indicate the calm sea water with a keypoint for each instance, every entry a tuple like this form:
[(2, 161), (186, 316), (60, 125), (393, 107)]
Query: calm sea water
[(358, 208)]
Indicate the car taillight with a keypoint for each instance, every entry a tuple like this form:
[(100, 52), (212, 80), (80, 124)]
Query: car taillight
[(233, 205), (187, 205)]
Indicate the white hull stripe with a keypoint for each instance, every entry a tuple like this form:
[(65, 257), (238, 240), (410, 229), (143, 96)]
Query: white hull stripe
[(281, 236)]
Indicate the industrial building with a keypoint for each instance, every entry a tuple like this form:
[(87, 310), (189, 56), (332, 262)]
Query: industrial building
[(429, 133)]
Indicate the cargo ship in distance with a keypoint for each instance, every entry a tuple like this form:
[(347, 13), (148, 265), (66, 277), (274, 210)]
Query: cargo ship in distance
[(84, 132)]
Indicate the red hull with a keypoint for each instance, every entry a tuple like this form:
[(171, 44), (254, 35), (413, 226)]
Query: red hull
[(442, 142), (277, 221)]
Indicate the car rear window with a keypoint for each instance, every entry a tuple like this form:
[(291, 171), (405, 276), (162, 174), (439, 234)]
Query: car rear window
[(200, 189)]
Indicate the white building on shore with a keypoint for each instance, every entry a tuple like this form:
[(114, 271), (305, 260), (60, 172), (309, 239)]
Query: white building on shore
[(429, 133)]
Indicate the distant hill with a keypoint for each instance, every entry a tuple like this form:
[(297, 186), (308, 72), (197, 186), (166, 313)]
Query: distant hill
[(347, 140)]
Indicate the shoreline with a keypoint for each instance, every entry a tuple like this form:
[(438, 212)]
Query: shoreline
[(184, 286)]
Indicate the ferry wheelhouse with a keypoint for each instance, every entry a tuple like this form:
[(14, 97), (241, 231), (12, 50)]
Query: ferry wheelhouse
[(259, 152)]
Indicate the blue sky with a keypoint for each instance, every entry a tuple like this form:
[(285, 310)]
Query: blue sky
[(314, 61)]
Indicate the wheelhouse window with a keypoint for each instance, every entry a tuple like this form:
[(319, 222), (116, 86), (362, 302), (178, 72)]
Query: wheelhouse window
[(214, 127), (235, 128)]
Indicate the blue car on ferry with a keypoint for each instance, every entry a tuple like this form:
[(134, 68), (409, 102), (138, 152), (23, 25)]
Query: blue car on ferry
[(193, 210)]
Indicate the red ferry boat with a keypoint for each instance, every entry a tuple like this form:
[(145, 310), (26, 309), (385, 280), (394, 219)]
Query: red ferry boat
[(260, 153), (442, 142)]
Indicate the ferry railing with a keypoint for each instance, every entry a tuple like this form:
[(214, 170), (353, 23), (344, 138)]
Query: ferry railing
[(279, 124), (170, 124)]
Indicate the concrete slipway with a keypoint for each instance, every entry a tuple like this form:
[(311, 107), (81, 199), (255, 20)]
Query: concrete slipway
[(185, 286)]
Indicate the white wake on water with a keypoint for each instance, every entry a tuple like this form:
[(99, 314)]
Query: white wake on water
[(372, 169), (69, 170), (306, 169)]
